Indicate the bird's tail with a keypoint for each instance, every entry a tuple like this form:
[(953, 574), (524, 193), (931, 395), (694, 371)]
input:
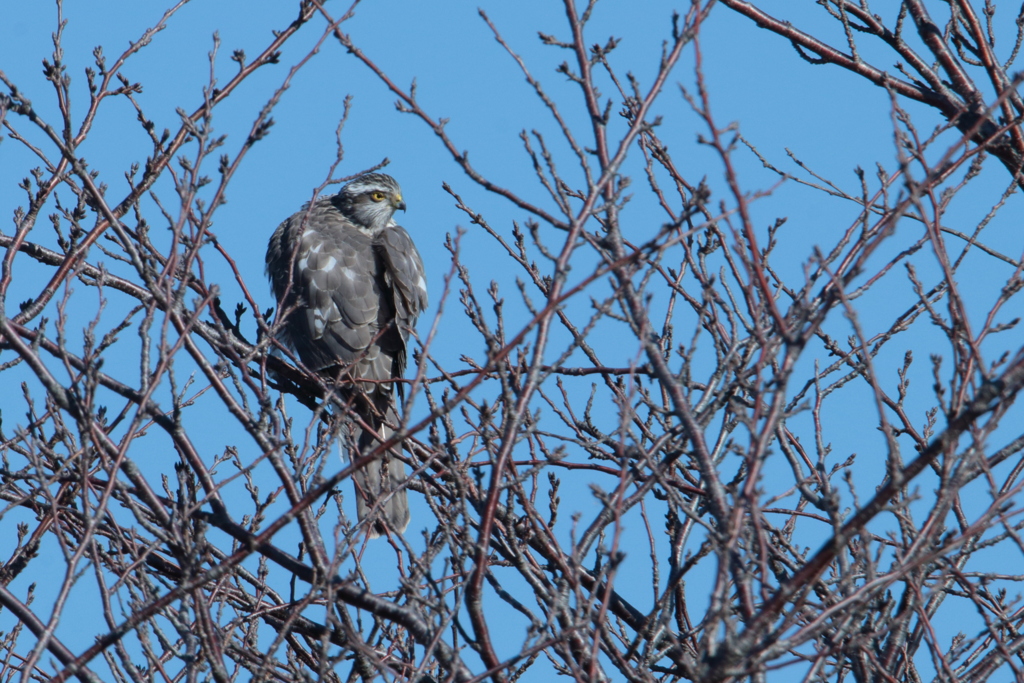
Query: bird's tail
[(382, 479)]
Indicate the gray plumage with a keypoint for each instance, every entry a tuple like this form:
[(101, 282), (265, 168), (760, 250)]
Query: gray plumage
[(352, 285)]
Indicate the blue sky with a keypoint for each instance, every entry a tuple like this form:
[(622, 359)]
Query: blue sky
[(829, 119)]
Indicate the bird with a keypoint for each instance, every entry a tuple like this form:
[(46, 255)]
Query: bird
[(350, 285)]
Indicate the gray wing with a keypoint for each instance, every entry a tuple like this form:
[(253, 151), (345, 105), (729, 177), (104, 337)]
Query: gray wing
[(404, 275), (357, 297), (406, 284), (328, 271)]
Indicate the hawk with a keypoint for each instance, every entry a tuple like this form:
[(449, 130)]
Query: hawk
[(351, 284)]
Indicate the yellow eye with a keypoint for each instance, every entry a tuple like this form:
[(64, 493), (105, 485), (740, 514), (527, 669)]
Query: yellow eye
[(377, 196)]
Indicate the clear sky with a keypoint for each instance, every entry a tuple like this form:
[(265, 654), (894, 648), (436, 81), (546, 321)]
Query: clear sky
[(831, 120)]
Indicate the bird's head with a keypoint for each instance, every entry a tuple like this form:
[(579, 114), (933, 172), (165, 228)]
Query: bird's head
[(371, 200)]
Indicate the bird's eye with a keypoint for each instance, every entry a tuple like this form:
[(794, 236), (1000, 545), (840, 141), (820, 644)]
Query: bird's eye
[(377, 196)]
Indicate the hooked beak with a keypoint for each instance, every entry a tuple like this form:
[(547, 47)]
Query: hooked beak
[(399, 203)]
